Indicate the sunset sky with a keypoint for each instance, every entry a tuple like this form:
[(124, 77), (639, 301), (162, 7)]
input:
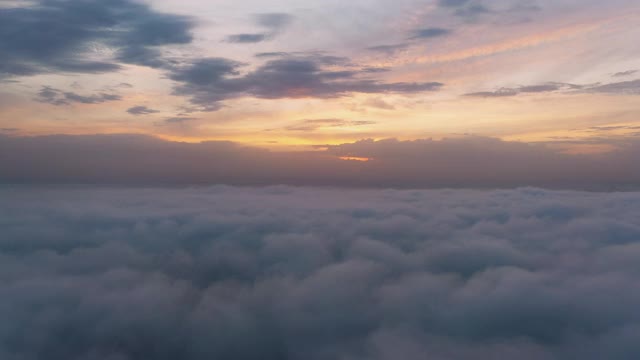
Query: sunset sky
[(319, 179), (289, 75)]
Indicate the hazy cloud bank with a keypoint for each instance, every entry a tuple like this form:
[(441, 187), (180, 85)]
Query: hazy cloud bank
[(464, 162), (301, 273)]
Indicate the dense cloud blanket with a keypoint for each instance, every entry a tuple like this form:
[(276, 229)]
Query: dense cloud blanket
[(300, 273)]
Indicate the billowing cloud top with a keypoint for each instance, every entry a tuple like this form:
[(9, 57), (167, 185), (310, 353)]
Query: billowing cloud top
[(290, 273)]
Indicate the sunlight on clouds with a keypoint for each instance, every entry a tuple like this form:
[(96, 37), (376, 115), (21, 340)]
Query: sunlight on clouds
[(369, 74)]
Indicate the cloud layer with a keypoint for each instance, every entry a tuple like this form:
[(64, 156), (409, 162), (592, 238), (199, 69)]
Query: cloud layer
[(462, 162), (295, 273)]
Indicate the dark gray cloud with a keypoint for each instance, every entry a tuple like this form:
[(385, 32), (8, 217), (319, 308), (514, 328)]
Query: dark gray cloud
[(272, 54), (501, 12), (429, 33), (210, 81), (620, 88), (464, 162), (141, 110), (58, 97), (544, 88), (625, 73), (321, 57), (389, 49), (144, 56), (375, 70), (60, 35), (471, 12), (294, 273), (468, 10), (206, 71)]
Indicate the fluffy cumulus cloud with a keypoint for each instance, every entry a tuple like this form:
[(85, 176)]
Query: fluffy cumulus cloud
[(302, 273)]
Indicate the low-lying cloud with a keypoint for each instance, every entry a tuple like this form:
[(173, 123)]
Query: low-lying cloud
[(456, 162), (300, 273)]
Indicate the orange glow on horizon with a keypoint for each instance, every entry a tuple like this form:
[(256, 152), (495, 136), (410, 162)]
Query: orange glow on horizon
[(355, 158)]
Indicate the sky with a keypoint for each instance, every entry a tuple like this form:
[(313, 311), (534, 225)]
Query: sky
[(319, 179), (290, 75)]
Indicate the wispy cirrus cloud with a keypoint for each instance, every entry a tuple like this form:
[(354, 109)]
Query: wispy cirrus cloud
[(317, 124), (617, 88), (625, 73)]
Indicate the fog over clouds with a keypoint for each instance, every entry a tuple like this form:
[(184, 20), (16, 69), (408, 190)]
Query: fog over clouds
[(461, 162), (301, 273)]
